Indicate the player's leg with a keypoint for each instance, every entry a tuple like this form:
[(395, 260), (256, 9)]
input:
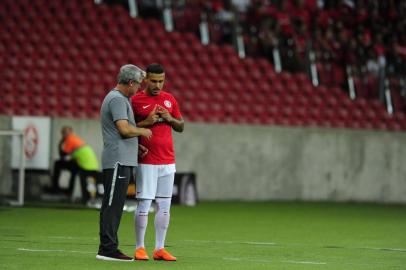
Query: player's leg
[(83, 175), (59, 165), (162, 216), (141, 222), (74, 169), (146, 181), (88, 181), (161, 222)]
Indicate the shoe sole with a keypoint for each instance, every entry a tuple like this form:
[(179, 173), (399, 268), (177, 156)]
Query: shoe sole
[(139, 259), (105, 258), (162, 259)]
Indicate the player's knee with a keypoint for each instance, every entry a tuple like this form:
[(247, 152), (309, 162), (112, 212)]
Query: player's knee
[(143, 207), (163, 205)]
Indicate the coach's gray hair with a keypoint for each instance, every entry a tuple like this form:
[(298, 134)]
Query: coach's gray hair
[(129, 73)]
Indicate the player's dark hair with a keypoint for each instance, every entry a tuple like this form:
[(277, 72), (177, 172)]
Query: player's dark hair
[(155, 68)]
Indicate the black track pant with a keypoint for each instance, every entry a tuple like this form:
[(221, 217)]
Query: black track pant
[(115, 183)]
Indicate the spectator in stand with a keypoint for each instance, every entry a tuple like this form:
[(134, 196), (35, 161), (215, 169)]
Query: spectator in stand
[(341, 32), (241, 5), (225, 19), (268, 40)]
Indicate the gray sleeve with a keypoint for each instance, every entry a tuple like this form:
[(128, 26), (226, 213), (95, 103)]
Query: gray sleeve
[(118, 108)]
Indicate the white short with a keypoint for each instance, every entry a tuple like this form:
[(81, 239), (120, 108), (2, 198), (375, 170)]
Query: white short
[(154, 181)]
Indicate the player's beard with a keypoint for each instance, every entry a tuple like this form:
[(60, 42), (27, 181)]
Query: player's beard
[(155, 91)]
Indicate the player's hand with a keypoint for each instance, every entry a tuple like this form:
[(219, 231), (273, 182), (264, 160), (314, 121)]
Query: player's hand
[(164, 113), (142, 151), (152, 117), (145, 132)]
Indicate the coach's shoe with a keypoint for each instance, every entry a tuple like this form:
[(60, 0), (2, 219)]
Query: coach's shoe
[(141, 254), (162, 254), (115, 256)]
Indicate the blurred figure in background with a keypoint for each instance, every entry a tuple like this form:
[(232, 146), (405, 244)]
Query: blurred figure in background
[(78, 158)]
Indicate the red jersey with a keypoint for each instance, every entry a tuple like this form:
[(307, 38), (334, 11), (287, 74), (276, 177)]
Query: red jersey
[(160, 146)]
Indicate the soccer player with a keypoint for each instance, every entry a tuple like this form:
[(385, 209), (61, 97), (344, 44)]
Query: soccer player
[(120, 139), (159, 111)]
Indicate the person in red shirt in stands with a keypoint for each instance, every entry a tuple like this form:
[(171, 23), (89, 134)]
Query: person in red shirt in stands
[(158, 110)]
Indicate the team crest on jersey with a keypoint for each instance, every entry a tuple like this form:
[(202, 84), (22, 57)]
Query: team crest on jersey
[(167, 103)]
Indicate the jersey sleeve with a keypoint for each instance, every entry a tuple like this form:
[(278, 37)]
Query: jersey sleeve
[(176, 111), (118, 109)]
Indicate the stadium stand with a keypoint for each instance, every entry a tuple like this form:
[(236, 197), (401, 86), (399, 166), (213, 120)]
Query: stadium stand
[(59, 58)]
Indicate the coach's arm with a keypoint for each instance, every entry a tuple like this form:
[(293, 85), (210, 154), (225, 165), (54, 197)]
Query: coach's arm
[(128, 131)]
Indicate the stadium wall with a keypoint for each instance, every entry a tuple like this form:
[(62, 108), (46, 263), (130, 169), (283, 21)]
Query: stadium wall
[(236, 162), (274, 163)]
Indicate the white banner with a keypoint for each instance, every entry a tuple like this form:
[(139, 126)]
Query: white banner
[(37, 142)]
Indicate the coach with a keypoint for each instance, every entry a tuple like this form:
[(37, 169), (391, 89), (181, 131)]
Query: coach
[(120, 139)]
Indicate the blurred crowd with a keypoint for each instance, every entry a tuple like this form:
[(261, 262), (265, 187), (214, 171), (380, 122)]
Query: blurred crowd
[(364, 36)]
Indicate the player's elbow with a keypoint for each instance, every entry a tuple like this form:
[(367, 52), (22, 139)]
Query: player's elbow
[(179, 128), (123, 132)]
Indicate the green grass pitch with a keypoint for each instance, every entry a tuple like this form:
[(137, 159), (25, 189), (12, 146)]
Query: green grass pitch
[(216, 235)]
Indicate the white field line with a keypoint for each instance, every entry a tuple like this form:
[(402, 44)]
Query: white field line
[(232, 242), (304, 262), (54, 250), (259, 243), (270, 261), (287, 245), (247, 260), (62, 237), (71, 237), (387, 249)]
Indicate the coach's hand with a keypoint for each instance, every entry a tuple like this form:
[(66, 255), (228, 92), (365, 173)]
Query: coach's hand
[(142, 151), (145, 132)]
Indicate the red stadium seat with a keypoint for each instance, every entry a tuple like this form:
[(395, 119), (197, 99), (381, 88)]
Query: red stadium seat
[(58, 60)]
